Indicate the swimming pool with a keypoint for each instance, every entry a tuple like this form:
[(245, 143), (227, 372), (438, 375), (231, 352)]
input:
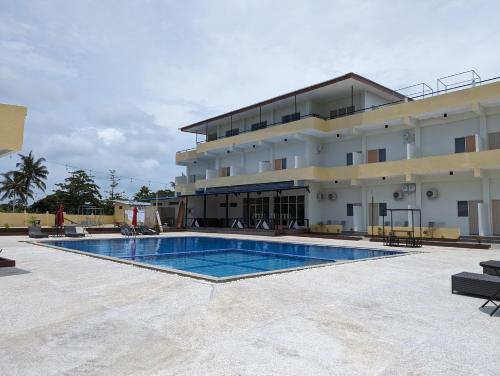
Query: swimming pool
[(218, 258)]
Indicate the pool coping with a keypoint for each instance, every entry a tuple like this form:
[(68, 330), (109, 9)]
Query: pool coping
[(208, 278)]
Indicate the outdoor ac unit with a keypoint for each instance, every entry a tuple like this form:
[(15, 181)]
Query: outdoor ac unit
[(320, 196), (431, 193), (332, 196), (408, 137), (408, 187), (398, 195)]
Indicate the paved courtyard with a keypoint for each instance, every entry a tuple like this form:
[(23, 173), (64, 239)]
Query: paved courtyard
[(63, 313)]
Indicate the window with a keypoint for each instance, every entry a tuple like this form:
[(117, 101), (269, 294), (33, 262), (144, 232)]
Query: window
[(280, 164), (232, 132), (290, 117), (460, 145), (376, 155), (222, 205), (349, 161), (261, 125), (465, 144), (173, 203), (350, 210), (494, 140), (233, 204), (225, 171), (463, 208), (120, 207), (341, 112), (381, 155), (382, 209)]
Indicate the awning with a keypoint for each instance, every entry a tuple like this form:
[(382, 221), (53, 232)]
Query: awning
[(250, 188)]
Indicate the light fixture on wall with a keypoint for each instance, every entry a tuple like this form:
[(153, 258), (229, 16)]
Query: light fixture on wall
[(386, 126), (336, 181), (445, 115), (286, 140), (451, 172), (227, 151), (338, 135), (253, 146), (383, 177)]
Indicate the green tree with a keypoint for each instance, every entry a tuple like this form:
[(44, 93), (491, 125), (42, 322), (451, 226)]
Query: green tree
[(33, 174), (12, 188), (144, 192), (49, 203), (113, 195), (79, 189)]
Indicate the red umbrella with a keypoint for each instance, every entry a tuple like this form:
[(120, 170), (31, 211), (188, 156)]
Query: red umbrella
[(134, 217), (60, 215)]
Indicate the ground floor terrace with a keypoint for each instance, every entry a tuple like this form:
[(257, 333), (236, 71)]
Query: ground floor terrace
[(64, 313), (451, 205)]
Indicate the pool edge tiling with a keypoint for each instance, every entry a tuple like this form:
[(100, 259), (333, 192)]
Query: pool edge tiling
[(226, 278)]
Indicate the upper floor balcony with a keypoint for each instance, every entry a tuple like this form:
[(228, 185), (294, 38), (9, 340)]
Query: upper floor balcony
[(312, 120)]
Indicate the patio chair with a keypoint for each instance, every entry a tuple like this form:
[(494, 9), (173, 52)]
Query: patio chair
[(74, 231), (36, 232)]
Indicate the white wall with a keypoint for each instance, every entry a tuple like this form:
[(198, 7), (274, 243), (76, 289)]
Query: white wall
[(443, 210), (440, 139), (336, 211), (334, 153), (392, 142)]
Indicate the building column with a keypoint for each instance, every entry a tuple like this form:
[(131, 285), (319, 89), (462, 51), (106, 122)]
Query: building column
[(227, 210), (363, 222), (204, 209), (186, 212), (364, 151), (248, 210), (482, 140), (484, 209)]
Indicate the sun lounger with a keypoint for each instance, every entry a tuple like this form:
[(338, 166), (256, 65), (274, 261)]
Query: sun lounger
[(127, 231), (145, 230), (480, 285), (36, 232), (74, 231)]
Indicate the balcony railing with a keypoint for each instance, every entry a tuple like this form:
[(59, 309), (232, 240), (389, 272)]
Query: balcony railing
[(475, 81)]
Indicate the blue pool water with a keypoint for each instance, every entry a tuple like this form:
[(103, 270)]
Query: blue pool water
[(218, 257)]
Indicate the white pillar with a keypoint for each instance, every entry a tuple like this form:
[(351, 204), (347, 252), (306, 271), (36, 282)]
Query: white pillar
[(418, 141), (482, 139), (486, 207), (217, 164), (364, 208), (364, 149), (410, 151), (482, 218), (358, 223)]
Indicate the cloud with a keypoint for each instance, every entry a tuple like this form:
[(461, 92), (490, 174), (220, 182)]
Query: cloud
[(108, 84)]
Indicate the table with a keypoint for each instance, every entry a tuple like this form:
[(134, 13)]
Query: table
[(492, 267)]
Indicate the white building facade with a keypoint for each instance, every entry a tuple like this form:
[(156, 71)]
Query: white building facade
[(336, 155)]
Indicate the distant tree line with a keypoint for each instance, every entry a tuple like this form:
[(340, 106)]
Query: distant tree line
[(77, 191)]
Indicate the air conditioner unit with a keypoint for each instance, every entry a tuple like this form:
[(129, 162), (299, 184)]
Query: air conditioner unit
[(431, 193), (409, 188), (332, 196), (320, 196), (398, 195)]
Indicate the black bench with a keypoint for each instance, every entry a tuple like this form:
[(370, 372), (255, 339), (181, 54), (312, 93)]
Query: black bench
[(481, 285)]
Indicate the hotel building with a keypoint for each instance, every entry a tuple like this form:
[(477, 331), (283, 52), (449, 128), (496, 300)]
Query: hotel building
[(334, 156), (11, 128)]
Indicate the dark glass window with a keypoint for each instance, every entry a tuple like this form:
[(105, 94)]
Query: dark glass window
[(290, 117), (463, 208), (460, 145), (381, 155), (350, 210), (349, 159), (261, 125), (232, 132), (283, 164), (382, 209), (233, 204)]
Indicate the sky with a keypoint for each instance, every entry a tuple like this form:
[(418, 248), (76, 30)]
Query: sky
[(108, 83)]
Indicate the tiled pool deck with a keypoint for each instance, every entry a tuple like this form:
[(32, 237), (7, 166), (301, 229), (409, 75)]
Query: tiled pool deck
[(64, 313)]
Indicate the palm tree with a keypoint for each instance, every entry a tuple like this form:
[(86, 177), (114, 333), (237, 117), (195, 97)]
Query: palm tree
[(12, 186), (33, 173)]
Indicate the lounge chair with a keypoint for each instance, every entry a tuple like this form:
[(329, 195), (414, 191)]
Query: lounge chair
[(74, 231), (36, 232), (145, 230), (127, 231), (479, 285)]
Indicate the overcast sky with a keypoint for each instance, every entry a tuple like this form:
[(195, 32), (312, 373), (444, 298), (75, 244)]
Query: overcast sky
[(108, 83)]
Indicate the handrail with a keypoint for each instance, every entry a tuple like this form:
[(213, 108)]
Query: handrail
[(424, 94)]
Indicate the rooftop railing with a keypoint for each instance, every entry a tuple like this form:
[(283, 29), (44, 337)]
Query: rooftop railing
[(420, 91)]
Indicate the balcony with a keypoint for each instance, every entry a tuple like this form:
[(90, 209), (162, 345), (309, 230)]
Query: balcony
[(393, 113), (11, 128), (474, 163)]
